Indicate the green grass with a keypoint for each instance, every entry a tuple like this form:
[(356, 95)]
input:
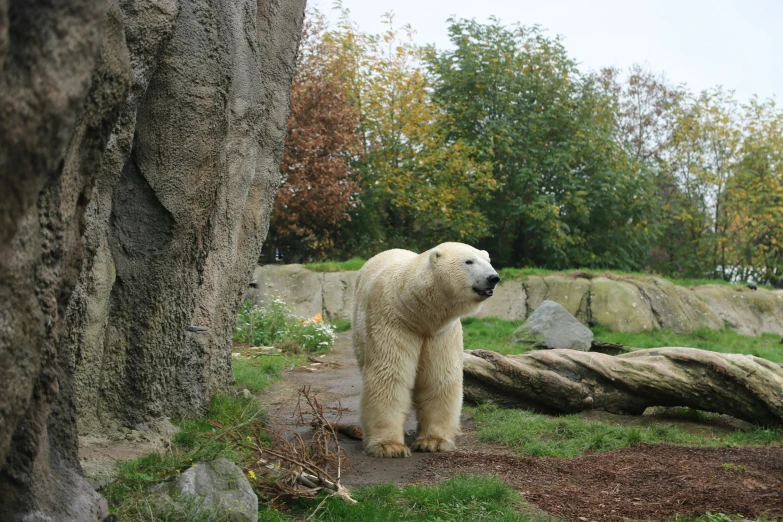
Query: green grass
[(734, 468), (495, 334), (532, 434), (489, 334), (258, 373), (355, 263), (127, 493), (520, 273), (462, 498), (766, 346), (342, 325)]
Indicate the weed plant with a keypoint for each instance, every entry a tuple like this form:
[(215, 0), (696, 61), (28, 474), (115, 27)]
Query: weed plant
[(274, 324)]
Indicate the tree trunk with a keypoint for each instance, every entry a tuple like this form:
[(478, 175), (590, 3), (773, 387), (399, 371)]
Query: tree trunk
[(568, 381)]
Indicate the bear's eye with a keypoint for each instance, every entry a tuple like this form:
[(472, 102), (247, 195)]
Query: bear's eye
[(468, 262)]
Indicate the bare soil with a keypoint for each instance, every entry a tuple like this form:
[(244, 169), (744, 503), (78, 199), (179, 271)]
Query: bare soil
[(337, 387), (99, 454), (649, 482)]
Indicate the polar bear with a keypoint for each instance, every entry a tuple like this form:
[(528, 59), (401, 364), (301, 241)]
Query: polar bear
[(407, 338)]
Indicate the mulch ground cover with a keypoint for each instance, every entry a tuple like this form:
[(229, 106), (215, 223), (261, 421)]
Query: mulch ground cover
[(649, 482)]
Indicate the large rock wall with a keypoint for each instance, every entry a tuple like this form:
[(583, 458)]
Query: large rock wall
[(139, 150), (307, 292), (622, 304)]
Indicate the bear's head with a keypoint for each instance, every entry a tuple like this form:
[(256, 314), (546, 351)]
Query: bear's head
[(463, 272)]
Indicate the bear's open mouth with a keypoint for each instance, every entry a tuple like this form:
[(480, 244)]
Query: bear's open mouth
[(486, 292)]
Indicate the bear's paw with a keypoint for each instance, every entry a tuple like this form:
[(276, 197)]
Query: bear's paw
[(388, 450), (433, 444)]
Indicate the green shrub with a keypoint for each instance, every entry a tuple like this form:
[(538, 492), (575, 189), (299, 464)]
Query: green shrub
[(311, 337)]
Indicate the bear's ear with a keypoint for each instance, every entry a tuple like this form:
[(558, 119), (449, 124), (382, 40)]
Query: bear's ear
[(435, 254), (485, 254)]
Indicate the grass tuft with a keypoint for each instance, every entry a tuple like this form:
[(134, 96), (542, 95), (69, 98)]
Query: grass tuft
[(127, 493), (342, 325), (462, 498), (736, 468), (490, 333), (258, 373), (354, 263)]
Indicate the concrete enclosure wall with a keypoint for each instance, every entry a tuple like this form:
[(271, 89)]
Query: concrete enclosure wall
[(622, 304)]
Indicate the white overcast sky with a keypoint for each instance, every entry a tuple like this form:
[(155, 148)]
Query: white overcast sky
[(736, 44)]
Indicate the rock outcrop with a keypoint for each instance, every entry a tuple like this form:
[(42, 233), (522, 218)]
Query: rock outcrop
[(551, 326), (624, 304), (638, 304), (307, 292), (139, 152), (216, 489)]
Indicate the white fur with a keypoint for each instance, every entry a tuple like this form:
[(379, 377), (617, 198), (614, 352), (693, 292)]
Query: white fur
[(408, 341)]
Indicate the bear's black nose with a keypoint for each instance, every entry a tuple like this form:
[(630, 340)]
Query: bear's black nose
[(493, 279)]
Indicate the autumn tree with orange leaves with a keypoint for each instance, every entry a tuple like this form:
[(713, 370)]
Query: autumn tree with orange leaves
[(318, 185)]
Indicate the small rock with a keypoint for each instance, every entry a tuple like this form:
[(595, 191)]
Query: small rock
[(197, 329), (98, 484), (552, 326), (244, 392), (164, 426), (217, 488)]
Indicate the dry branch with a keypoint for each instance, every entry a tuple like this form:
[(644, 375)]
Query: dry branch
[(292, 467), (568, 381), (352, 431)]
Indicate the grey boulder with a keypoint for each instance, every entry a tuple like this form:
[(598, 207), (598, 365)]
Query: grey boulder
[(552, 326), (217, 488)]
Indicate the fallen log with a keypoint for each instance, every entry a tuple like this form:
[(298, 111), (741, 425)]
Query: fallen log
[(568, 381)]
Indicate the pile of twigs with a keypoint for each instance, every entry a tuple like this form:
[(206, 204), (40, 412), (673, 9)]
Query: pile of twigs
[(292, 467)]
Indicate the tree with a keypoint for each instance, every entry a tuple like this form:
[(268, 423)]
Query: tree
[(569, 194), (701, 158), (645, 111), (419, 187), (318, 183), (755, 197)]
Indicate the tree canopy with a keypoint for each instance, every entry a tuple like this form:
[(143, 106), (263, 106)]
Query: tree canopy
[(502, 142)]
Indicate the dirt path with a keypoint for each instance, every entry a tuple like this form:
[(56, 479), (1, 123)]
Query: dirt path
[(651, 482), (340, 387)]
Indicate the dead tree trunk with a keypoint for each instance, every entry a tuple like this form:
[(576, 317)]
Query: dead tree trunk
[(568, 381)]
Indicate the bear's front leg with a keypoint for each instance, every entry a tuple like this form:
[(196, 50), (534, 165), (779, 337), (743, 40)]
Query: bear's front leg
[(388, 376), (438, 391)]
